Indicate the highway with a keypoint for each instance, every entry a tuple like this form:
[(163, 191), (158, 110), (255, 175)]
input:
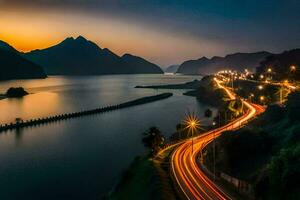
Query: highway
[(190, 178)]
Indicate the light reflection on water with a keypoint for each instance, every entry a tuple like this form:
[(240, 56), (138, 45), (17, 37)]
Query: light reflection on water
[(81, 158)]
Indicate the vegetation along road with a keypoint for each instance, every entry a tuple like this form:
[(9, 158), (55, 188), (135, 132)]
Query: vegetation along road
[(185, 166)]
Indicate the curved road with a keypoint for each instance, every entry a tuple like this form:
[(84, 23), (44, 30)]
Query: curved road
[(190, 178)]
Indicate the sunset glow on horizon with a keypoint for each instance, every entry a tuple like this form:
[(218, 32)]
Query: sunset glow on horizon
[(165, 34)]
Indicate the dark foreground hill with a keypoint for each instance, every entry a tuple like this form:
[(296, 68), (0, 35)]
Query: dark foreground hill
[(265, 153), (237, 61), (14, 66), (82, 57), (284, 65)]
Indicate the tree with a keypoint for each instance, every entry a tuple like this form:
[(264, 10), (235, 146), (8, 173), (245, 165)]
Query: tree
[(293, 106), (208, 113), (153, 139)]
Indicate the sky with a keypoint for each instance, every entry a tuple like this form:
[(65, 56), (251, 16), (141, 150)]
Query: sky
[(163, 31)]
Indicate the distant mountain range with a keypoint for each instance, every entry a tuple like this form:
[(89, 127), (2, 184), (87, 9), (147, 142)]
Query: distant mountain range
[(14, 66), (70, 57), (82, 57), (237, 61), (79, 56), (172, 69)]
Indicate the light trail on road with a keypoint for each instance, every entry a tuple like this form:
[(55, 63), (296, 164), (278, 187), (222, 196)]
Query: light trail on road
[(191, 179)]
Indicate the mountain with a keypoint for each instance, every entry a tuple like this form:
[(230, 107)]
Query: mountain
[(14, 66), (7, 47), (194, 66), (237, 61), (82, 57), (281, 65), (138, 65), (172, 69)]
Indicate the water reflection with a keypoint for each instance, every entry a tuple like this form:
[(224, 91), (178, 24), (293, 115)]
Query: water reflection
[(18, 136), (34, 105), (81, 158), (56, 95)]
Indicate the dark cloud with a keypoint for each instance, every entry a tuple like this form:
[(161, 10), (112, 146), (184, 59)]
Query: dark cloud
[(257, 23)]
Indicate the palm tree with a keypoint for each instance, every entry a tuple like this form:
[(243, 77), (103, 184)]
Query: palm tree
[(153, 139)]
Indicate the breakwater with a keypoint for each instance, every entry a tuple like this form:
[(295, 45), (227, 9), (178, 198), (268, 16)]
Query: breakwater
[(38, 121)]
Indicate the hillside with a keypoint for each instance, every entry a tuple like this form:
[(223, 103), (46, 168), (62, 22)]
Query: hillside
[(82, 57), (138, 65), (14, 66), (237, 61), (265, 153), (281, 65)]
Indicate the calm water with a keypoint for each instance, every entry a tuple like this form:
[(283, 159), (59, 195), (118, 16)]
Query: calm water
[(81, 158)]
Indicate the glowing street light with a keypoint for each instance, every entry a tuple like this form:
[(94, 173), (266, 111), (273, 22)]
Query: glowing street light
[(262, 99), (251, 96), (261, 76), (260, 87), (192, 123), (293, 68), (269, 70)]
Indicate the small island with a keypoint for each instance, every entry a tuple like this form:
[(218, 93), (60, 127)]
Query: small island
[(16, 92)]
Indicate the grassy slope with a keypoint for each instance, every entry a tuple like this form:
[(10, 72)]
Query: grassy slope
[(140, 182)]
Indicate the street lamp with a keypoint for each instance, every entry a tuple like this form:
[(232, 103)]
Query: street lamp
[(269, 70), (261, 76), (192, 123), (293, 68), (260, 87), (251, 96), (262, 99)]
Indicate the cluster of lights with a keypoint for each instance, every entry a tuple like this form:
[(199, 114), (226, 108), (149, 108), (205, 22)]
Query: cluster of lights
[(270, 71), (235, 75)]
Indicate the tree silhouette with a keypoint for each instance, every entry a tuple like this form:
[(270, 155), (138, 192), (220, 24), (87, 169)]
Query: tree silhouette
[(153, 139), (208, 113)]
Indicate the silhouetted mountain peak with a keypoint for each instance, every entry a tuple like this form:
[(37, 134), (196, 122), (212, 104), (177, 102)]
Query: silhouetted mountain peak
[(80, 56), (247, 54), (68, 39), (140, 65), (236, 61), (127, 55), (203, 58), (14, 66), (81, 38), (7, 47), (108, 52), (216, 58)]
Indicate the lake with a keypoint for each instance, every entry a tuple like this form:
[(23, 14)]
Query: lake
[(82, 158)]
